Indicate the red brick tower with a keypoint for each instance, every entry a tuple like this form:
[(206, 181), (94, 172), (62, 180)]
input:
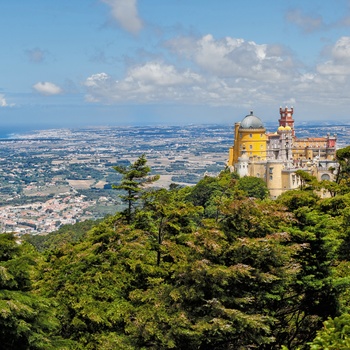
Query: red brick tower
[(287, 118)]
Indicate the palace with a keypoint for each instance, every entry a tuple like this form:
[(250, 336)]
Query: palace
[(275, 157)]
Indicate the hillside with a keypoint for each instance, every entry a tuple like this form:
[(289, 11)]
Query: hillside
[(213, 266)]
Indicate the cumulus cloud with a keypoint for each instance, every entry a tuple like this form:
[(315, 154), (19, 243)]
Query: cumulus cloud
[(3, 102), (36, 55), (339, 63), (159, 74), (234, 57), (47, 88), (153, 81), (125, 13), (307, 23), (227, 71), (341, 50), (218, 72), (329, 83)]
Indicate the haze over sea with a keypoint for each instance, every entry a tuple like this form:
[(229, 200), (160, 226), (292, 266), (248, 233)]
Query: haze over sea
[(9, 132)]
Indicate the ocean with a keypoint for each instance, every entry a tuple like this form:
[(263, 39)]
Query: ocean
[(8, 131)]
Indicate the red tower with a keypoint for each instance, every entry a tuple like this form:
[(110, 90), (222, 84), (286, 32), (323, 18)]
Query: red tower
[(287, 118)]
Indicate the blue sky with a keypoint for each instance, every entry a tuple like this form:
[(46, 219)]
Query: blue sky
[(108, 62)]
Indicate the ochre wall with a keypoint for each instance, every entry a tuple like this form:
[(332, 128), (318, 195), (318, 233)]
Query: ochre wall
[(250, 141)]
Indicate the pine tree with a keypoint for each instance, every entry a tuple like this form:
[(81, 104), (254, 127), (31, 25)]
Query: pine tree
[(135, 177)]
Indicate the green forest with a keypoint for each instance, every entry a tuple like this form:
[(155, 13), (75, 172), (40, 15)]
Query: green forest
[(214, 266)]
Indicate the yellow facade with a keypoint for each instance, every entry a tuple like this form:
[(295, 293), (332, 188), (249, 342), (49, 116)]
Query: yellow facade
[(249, 139), (253, 143)]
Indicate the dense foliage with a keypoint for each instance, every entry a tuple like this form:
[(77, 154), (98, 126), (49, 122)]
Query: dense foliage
[(26, 319), (65, 234), (214, 266)]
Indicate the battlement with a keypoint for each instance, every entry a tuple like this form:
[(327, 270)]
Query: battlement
[(287, 118)]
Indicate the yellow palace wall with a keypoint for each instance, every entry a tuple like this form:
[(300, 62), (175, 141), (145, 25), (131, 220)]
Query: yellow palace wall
[(249, 141)]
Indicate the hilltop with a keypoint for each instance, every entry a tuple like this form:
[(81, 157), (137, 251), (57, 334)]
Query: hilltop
[(213, 266)]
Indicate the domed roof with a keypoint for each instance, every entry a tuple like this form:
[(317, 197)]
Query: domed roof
[(281, 128), (251, 122), (288, 128)]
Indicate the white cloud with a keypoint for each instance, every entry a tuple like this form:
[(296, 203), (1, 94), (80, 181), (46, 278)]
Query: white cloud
[(228, 72), (341, 50), (339, 62), (236, 58), (329, 83), (154, 73), (125, 12), (153, 81), (47, 88), (4, 103), (222, 72)]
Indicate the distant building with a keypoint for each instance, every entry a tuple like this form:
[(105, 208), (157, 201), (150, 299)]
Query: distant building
[(275, 157)]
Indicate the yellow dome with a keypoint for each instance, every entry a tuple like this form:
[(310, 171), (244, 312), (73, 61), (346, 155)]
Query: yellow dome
[(281, 128), (288, 128)]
